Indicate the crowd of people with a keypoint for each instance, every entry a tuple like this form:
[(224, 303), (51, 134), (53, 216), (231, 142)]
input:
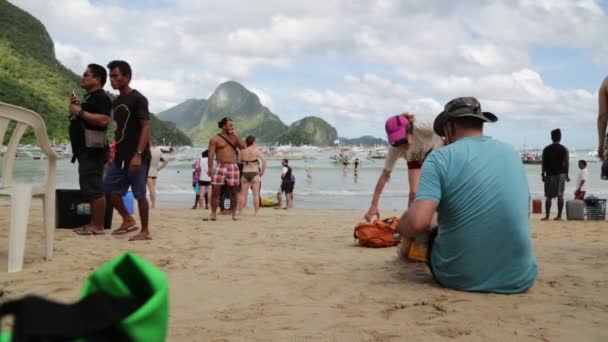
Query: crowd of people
[(475, 185)]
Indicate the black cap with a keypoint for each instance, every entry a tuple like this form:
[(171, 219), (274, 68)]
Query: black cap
[(461, 107)]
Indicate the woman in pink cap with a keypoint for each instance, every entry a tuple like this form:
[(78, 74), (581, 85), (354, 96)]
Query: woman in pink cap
[(409, 140)]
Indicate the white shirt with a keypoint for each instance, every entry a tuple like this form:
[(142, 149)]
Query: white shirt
[(582, 176), (423, 140), (156, 158), (204, 168)]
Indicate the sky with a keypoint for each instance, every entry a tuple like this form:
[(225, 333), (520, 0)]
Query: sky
[(536, 64)]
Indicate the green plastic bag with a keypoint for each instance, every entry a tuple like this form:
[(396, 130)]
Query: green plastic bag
[(126, 276)]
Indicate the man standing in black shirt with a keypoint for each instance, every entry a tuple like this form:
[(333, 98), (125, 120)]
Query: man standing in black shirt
[(555, 173), (132, 159), (88, 125)]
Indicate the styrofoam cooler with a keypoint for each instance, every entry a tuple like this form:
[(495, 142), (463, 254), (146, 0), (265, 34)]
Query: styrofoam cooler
[(575, 210)]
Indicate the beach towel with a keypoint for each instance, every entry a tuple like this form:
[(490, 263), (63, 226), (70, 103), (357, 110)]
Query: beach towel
[(378, 233), (124, 300)]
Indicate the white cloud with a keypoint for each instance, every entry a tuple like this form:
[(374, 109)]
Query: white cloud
[(433, 50)]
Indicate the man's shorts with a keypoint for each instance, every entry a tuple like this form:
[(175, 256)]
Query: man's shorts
[(119, 179), (90, 173), (555, 185), (287, 187), (227, 173)]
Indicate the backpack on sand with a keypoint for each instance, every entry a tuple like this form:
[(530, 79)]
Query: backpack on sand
[(378, 233), (127, 299)]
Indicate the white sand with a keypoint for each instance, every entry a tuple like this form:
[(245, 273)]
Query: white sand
[(296, 276)]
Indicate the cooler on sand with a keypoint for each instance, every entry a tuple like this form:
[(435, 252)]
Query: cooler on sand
[(575, 210), (537, 206), (72, 210)]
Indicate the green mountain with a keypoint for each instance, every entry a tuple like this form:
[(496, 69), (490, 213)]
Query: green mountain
[(310, 130), (186, 114), (366, 140), (32, 77), (232, 100)]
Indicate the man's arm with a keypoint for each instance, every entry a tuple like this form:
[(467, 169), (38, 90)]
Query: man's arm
[(144, 137), (240, 143), (93, 119), (543, 165), (373, 208), (567, 164), (164, 164), (417, 220), (602, 118), (264, 162), (413, 176), (211, 156)]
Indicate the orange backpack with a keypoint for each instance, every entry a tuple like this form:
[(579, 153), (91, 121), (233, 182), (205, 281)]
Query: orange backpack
[(378, 233)]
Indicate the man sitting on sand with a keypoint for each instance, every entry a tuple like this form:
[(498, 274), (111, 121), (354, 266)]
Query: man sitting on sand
[(224, 148), (479, 188), (410, 140)]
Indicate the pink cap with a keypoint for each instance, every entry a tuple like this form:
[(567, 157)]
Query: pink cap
[(396, 128)]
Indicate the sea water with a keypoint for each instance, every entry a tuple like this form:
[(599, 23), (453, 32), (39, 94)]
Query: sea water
[(330, 187)]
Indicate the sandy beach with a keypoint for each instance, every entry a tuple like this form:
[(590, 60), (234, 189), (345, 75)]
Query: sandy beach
[(297, 276)]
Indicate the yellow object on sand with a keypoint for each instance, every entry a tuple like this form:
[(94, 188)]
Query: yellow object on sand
[(269, 202)]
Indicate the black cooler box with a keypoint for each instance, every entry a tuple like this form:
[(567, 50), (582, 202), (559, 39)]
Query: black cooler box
[(72, 210)]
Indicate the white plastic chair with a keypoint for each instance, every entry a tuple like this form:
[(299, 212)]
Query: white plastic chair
[(21, 194)]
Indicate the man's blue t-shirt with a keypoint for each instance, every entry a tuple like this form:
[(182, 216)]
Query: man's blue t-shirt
[(483, 242)]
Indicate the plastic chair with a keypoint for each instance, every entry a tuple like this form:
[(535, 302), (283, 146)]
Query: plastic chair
[(22, 194)]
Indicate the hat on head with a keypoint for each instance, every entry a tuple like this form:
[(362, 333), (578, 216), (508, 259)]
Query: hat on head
[(458, 108), (396, 128)]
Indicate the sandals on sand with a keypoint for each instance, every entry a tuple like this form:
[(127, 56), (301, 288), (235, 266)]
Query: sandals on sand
[(125, 230), (209, 219), (89, 232), (140, 237)]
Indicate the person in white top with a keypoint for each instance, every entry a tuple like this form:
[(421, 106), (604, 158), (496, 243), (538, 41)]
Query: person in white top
[(204, 181), (581, 180), (156, 159), (410, 140)]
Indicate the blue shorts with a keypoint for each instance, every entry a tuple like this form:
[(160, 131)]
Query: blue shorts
[(119, 179)]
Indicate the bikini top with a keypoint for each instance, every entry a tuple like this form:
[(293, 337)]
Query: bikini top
[(250, 161)]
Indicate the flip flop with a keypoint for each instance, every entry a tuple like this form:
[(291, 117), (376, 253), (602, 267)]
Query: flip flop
[(235, 219), (206, 219), (88, 232), (80, 229), (125, 230), (140, 237)]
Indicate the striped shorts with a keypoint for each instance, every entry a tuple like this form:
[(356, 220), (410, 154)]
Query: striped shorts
[(226, 173)]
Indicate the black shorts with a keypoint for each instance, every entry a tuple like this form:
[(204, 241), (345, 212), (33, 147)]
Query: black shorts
[(431, 243), (287, 187), (91, 164), (204, 183)]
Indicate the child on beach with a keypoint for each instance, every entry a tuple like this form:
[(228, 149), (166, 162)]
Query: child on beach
[(581, 180)]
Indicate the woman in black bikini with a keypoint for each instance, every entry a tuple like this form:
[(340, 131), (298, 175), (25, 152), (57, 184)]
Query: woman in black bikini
[(252, 173)]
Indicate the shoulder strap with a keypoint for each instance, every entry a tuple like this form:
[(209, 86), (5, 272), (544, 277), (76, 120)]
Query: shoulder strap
[(96, 316), (229, 142)]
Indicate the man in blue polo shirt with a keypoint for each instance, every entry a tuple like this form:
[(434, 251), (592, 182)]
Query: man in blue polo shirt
[(479, 188)]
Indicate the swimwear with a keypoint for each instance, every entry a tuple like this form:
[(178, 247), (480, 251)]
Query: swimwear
[(249, 176), (226, 173)]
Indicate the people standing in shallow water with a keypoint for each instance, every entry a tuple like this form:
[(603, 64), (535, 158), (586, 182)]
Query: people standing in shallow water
[(224, 147), (204, 181), (288, 181), (555, 168), (252, 173), (156, 159)]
